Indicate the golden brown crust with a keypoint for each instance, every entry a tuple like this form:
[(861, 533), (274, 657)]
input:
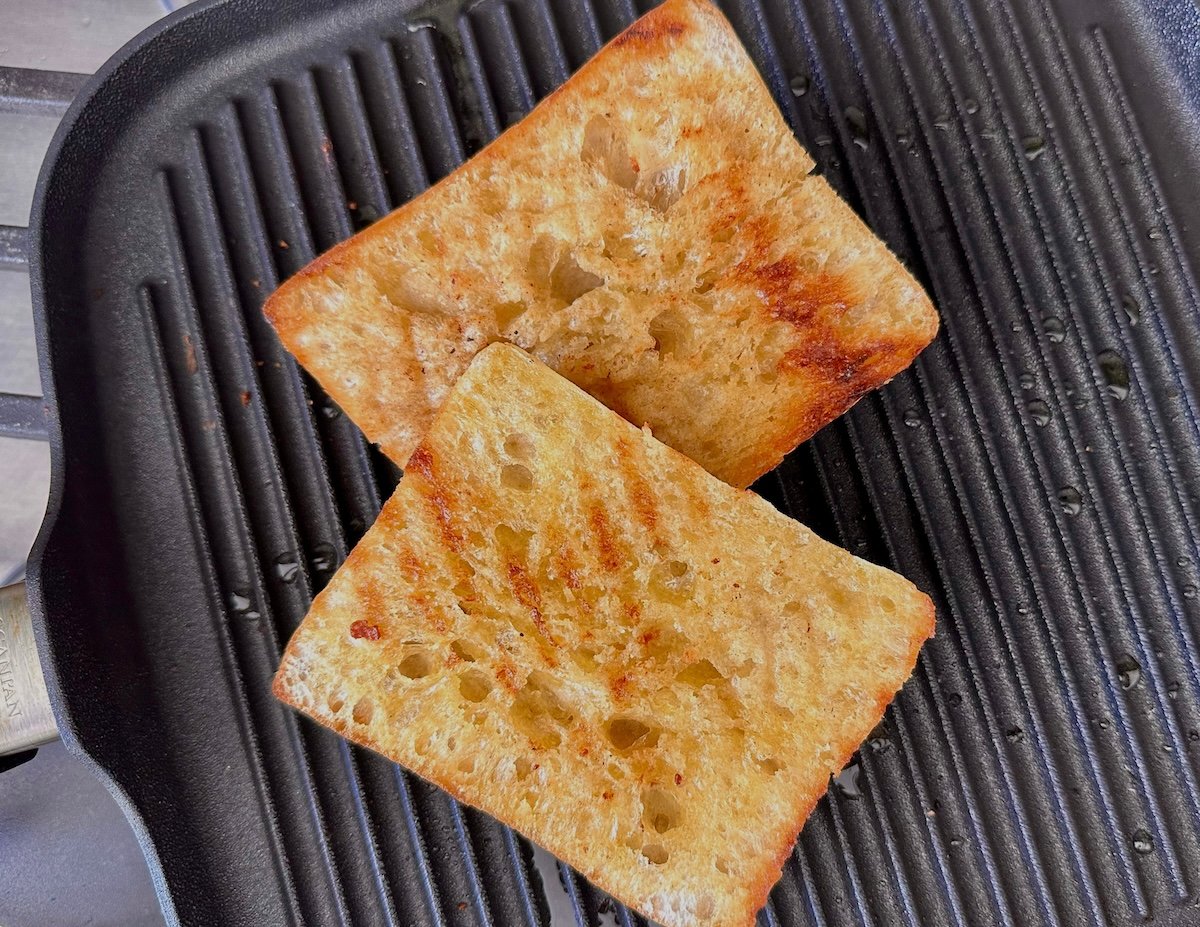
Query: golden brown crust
[(556, 612), (678, 262)]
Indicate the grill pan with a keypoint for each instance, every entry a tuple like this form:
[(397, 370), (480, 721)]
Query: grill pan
[(1037, 471)]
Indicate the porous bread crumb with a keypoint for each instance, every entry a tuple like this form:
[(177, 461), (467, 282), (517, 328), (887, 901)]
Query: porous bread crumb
[(650, 231), (646, 671)]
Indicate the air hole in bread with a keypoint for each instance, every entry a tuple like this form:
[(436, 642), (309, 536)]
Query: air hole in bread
[(507, 313), (671, 581), (569, 281), (660, 810), (336, 702), (699, 674), (423, 743), (519, 446), (671, 332), (615, 770), (467, 651), (633, 841), (537, 712), (512, 542), (605, 149), (887, 603), (627, 733), (663, 642), (705, 907), (622, 246), (416, 665), (363, 710), (466, 765), (429, 241), (516, 476), (663, 188), (474, 685), (770, 765), (723, 865), (656, 853), (524, 767), (585, 658)]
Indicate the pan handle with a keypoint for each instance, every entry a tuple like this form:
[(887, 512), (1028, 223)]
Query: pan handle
[(26, 720)]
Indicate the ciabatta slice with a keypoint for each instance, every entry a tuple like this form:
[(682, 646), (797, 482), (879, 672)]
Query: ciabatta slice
[(571, 626), (651, 232)]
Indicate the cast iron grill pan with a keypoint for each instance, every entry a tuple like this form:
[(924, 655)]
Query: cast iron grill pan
[(1036, 471)]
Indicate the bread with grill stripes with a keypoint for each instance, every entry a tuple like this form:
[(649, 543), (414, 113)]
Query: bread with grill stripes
[(652, 232), (564, 622)]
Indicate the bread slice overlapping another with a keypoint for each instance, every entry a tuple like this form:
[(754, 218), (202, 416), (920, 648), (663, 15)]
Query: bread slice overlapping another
[(651, 231), (564, 622)]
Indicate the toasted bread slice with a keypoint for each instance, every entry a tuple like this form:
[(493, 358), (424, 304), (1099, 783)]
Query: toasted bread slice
[(564, 622), (649, 231)]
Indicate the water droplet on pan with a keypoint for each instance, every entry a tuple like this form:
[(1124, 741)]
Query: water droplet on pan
[(1189, 591), (971, 106), (1115, 373), (1129, 672), (847, 781), (1054, 329), (239, 602), (800, 84), (1026, 380), (856, 121), (1033, 146), (324, 558), (911, 418), (1133, 309), (1039, 412), (287, 567), (1015, 735), (1143, 843), (1070, 500)]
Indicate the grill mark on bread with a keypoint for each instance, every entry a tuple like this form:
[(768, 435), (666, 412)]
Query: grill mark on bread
[(641, 496), (649, 30), (527, 592), (421, 462)]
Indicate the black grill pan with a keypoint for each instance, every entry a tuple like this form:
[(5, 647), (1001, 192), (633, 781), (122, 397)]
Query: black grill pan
[(1037, 471)]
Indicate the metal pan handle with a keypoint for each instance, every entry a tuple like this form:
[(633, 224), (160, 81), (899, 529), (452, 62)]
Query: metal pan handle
[(26, 720)]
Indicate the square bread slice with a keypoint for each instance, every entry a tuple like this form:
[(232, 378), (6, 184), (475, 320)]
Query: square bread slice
[(651, 232), (566, 623)]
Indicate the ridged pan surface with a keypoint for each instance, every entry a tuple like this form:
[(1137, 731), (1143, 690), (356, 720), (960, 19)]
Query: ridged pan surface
[(1037, 471)]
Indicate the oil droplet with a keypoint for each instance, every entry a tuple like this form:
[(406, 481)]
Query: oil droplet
[(954, 699), (800, 85), (911, 419), (287, 567), (1193, 735), (1070, 500), (1189, 591), (1102, 724), (941, 122), (1033, 146), (1173, 690), (824, 140), (1154, 233), (324, 558), (1039, 412), (1015, 735), (1129, 672), (1055, 330), (847, 781), (1026, 380), (330, 410), (239, 603), (1116, 374), (1133, 309), (971, 106), (1183, 561), (904, 139), (856, 121), (1143, 843)]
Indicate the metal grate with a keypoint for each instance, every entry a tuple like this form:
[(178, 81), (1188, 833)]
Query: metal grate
[(1036, 471)]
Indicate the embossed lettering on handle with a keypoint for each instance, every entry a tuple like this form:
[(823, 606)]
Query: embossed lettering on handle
[(25, 717)]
